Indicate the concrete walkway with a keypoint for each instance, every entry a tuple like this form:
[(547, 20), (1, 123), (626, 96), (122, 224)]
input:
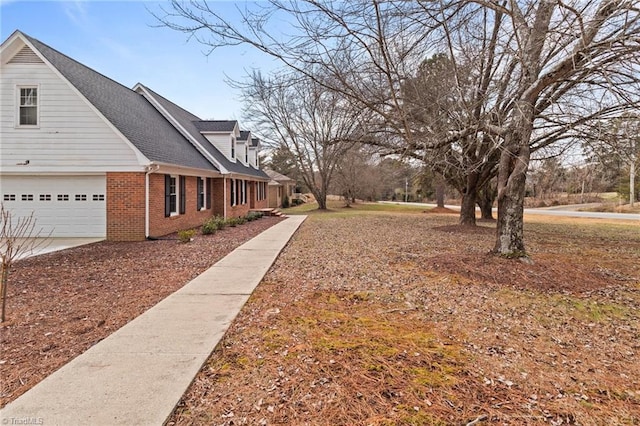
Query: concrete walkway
[(137, 375)]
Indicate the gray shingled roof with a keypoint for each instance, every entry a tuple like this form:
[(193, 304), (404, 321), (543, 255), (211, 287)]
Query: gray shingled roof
[(244, 135), (191, 122), (278, 177), (215, 125), (128, 111), (255, 142)]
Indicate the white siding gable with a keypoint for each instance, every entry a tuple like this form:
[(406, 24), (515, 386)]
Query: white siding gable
[(240, 152), (71, 135), (253, 157), (221, 141)]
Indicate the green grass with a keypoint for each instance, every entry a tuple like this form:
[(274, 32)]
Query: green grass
[(338, 209)]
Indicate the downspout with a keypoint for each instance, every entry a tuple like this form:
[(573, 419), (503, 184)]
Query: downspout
[(224, 199), (151, 168)]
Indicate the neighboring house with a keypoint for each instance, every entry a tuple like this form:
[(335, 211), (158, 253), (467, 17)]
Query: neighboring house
[(279, 186), (93, 158)]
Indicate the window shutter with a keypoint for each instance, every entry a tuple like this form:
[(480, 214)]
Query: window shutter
[(232, 194), (209, 194), (199, 188), (183, 195), (167, 195)]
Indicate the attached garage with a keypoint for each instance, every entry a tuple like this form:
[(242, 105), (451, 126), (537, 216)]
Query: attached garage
[(66, 206)]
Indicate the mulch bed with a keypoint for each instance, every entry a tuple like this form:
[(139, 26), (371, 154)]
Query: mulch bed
[(60, 304)]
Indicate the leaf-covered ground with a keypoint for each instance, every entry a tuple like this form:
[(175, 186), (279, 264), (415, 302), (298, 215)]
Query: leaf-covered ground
[(379, 318)]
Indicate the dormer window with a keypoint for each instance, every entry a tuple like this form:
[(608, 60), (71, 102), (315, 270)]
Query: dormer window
[(27, 106)]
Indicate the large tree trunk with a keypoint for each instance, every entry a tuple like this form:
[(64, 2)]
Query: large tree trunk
[(485, 202), (510, 228), (321, 198), (632, 182), (440, 188), (512, 174), (468, 206)]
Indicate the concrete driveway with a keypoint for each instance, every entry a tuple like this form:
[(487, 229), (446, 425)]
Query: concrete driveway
[(48, 245)]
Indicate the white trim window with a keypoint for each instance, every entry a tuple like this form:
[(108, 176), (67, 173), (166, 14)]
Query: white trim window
[(28, 106), (202, 193), (233, 149), (244, 192), (232, 193), (171, 195)]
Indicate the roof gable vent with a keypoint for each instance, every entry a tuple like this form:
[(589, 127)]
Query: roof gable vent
[(26, 56)]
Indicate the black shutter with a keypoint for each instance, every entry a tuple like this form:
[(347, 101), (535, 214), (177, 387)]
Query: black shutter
[(199, 189), (209, 194), (183, 195), (167, 195), (232, 195)]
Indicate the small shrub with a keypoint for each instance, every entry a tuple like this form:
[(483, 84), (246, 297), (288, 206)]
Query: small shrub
[(212, 225), (221, 223), (285, 202), (251, 216), (209, 227), (186, 235), (232, 221), (296, 202), (241, 220)]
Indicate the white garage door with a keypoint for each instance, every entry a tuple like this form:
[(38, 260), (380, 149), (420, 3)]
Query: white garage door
[(67, 206)]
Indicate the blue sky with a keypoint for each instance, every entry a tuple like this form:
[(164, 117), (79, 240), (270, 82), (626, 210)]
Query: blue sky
[(119, 39)]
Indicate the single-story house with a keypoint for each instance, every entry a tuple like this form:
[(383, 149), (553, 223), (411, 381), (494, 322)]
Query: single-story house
[(279, 186), (93, 158)]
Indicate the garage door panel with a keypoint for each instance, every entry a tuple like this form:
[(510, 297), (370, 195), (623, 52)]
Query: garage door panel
[(65, 206)]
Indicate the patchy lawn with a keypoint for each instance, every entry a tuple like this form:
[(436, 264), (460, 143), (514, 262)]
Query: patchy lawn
[(60, 304), (376, 317)]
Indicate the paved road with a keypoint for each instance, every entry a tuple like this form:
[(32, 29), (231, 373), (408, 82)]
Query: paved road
[(556, 211)]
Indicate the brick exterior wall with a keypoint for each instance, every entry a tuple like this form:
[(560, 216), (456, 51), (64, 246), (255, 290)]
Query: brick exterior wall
[(125, 206), (160, 225), (238, 210), (218, 196), (259, 204), (275, 196)]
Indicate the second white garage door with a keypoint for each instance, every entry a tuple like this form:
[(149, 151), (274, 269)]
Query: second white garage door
[(66, 206)]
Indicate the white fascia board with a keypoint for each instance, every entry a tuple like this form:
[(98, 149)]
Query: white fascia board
[(148, 96), (142, 159)]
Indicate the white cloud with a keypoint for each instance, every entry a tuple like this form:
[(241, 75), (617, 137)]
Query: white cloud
[(77, 12), (120, 50)]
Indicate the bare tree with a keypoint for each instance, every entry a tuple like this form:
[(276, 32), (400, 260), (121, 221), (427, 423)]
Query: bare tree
[(618, 142), (18, 237), (436, 104), (317, 126), (528, 75)]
